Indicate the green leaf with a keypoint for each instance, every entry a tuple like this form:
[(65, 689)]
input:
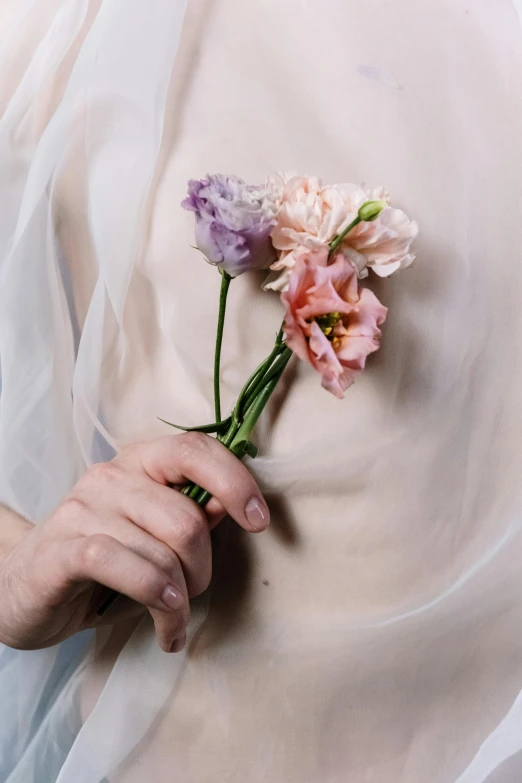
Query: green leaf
[(208, 428), (251, 450), (244, 448)]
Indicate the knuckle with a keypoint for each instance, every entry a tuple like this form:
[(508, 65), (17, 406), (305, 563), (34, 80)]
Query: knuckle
[(96, 549), (148, 583), (104, 473), (167, 560), (192, 444), (192, 530), (69, 517)]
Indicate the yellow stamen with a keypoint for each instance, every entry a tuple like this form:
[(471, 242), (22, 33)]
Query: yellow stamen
[(327, 323)]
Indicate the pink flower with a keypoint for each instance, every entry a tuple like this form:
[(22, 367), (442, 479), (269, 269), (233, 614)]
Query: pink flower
[(382, 245), (312, 214), (330, 321)]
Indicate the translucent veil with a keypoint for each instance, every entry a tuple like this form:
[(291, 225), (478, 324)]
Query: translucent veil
[(109, 66), (84, 87)]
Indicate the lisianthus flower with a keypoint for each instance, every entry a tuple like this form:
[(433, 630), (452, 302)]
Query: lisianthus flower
[(312, 214), (233, 222), (330, 321), (382, 245)]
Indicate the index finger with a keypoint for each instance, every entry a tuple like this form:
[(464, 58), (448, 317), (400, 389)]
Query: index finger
[(193, 456)]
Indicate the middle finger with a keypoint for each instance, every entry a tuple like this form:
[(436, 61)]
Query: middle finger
[(174, 520)]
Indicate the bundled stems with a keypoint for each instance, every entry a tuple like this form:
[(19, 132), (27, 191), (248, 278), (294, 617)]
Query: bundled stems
[(236, 441), (249, 405)]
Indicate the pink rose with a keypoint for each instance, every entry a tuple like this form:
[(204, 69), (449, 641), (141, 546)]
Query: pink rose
[(330, 321)]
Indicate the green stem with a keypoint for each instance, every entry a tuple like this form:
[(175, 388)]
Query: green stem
[(203, 498), (259, 373), (225, 284), (339, 239), (281, 360), (255, 381), (258, 405), (239, 432), (238, 435)]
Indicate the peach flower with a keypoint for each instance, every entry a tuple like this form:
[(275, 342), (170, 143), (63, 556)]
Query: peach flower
[(382, 245), (330, 321), (312, 214)]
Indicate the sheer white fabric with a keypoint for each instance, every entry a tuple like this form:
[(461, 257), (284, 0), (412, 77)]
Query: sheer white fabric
[(374, 634)]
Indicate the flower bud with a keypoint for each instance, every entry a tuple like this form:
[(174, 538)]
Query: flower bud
[(371, 210)]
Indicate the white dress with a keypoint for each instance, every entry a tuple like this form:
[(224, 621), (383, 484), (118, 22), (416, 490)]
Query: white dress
[(374, 633)]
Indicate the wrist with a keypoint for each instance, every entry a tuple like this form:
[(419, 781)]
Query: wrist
[(13, 529)]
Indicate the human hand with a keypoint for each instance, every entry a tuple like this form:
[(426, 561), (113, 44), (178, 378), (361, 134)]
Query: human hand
[(122, 527)]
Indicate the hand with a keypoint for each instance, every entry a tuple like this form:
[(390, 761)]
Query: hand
[(122, 527)]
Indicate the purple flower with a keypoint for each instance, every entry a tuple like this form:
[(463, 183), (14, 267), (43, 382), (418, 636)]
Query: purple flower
[(233, 222)]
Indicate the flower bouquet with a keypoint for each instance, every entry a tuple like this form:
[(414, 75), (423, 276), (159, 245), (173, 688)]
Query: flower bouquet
[(318, 241)]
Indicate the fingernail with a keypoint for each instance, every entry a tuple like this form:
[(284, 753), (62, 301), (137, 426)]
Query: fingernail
[(179, 644), (172, 597), (257, 514)]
